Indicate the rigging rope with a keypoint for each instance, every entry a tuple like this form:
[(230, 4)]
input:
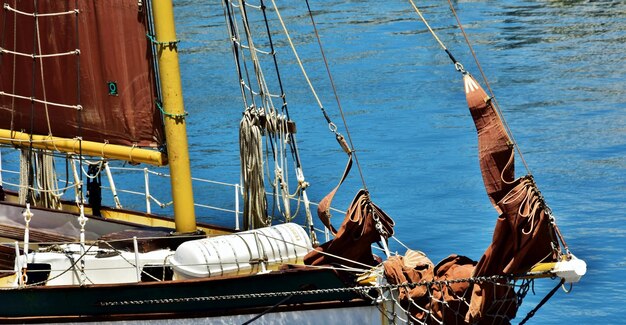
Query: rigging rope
[(36, 165), (491, 93), (332, 83), (534, 205), (49, 194), (332, 126), (274, 122), (40, 56), (255, 209), (32, 103), (25, 193), (268, 310), (81, 219), (460, 68), (33, 99), (496, 106), (61, 13), (457, 65)]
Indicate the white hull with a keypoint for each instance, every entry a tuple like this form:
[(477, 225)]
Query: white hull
[(362, 315)]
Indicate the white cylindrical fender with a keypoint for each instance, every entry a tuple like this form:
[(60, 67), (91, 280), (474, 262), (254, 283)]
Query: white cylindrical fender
[(241, 253)]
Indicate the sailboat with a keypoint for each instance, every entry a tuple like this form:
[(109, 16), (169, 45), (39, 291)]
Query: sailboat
[(94, 82)]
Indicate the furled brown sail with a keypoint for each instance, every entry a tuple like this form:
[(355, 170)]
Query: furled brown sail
[(111, 78), (437, 297), (363, 225), (523, 235), (495, 149)]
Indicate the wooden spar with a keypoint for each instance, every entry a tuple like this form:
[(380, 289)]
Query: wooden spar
[(89, 148), (174, 117)]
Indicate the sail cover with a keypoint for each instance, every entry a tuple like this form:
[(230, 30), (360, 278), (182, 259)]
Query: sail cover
[(79, 68)]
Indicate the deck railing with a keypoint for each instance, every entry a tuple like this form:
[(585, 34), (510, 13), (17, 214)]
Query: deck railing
[(144, 181)]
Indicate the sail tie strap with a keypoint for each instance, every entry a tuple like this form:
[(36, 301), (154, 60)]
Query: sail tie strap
[(323, 209)]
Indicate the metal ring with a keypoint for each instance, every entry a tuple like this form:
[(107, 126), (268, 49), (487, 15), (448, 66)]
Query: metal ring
[(332, 127)]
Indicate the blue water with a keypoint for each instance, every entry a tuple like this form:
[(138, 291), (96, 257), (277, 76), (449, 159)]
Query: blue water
[(558, 71)]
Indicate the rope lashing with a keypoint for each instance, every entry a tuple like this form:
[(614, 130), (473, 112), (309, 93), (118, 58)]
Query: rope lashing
[(171, 44), (175, 116), (39, 56), (31, 14), (35, 100)]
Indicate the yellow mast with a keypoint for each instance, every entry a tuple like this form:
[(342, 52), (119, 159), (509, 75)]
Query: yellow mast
[(175, 124)]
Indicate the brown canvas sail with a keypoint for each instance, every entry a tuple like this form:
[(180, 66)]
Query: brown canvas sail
[(495, 149), (434, 300), (363, 225), (523, 235), (111, 77)]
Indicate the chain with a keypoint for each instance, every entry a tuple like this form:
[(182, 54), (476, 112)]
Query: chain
[(234, 297), (357, 289)]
